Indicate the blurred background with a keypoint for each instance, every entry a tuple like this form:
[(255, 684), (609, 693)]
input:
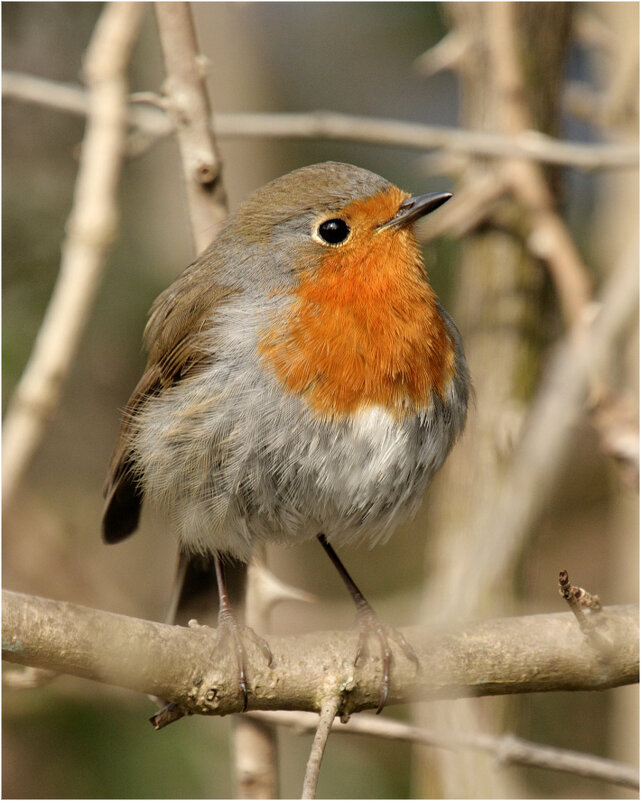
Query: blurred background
[(77, 739)]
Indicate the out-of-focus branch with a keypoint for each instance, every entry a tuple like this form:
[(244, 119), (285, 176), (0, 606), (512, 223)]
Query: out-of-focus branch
[(91, 228), (549, 238), (152, 122), (507, 749), (507, 516), (538, 653), (187, 104)]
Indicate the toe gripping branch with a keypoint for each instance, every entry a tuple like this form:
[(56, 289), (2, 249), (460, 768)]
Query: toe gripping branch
[(368, 625)]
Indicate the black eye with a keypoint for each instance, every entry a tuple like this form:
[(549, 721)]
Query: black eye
[(333, 231)]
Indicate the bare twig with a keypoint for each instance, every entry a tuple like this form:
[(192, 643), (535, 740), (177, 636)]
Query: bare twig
[(472, 204), (328, 710), (153, 123), (188, 106), (170, 713), (577, 596), (548, 238), (508, 749), (446, 54), (90, 231), (537, 653)]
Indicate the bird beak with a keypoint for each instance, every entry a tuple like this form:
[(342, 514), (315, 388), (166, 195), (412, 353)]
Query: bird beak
[(414, 207)]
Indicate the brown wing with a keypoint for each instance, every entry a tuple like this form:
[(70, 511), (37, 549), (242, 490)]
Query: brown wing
[(176, 345)]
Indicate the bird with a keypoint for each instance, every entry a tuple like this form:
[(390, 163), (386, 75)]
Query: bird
[(303, 382)]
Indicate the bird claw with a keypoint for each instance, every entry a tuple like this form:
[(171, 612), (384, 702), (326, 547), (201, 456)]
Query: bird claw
[(369, 624), (229, 628)]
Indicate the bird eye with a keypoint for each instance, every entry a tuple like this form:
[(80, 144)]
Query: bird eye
[(333, 231)]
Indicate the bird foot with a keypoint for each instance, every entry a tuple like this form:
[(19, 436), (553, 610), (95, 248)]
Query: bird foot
[(230, 629), (370, 625)]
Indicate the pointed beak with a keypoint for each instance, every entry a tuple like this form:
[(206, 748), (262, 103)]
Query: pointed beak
[(414, 207)]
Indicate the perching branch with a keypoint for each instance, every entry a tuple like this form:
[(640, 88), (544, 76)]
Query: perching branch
[(537, 653), (152, 123), (91, 228)]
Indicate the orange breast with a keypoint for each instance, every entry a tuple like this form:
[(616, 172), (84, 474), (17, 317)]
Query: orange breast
[(363, 329)]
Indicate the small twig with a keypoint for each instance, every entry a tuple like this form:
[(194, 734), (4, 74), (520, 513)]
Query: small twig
[(498, 531), (507, 748), (577, 596), (153, 123), (265, 591), (328, 711), (91, 229), (472, 204), (446, 54), (549, 238), (579, 599), (168, 714)]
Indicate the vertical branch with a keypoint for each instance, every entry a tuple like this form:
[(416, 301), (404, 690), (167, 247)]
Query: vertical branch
[(500, 297), (255, 746), (187, 102), (91, 228)]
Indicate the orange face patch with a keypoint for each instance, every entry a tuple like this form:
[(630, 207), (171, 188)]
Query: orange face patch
[(363, 328)]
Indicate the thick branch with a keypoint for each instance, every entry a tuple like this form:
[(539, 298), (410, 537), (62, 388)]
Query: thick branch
[(513, 655)]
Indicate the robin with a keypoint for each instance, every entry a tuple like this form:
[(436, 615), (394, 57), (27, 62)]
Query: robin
[(303, 381)]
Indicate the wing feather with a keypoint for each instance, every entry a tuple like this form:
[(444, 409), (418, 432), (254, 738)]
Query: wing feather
[(178, 339)]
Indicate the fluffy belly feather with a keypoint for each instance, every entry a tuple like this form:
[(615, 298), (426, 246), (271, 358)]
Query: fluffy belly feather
[(234, 460)]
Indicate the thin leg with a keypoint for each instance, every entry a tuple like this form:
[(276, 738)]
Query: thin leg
[(369, 623), (229, 627)]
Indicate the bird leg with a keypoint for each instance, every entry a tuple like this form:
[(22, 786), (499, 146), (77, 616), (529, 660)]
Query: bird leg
[(228, 627), (368, 624)]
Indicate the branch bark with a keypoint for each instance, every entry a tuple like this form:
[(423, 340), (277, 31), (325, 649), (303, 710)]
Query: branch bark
[(537, 653)]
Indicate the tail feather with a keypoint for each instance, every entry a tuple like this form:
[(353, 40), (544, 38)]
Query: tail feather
[(122, 509)]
